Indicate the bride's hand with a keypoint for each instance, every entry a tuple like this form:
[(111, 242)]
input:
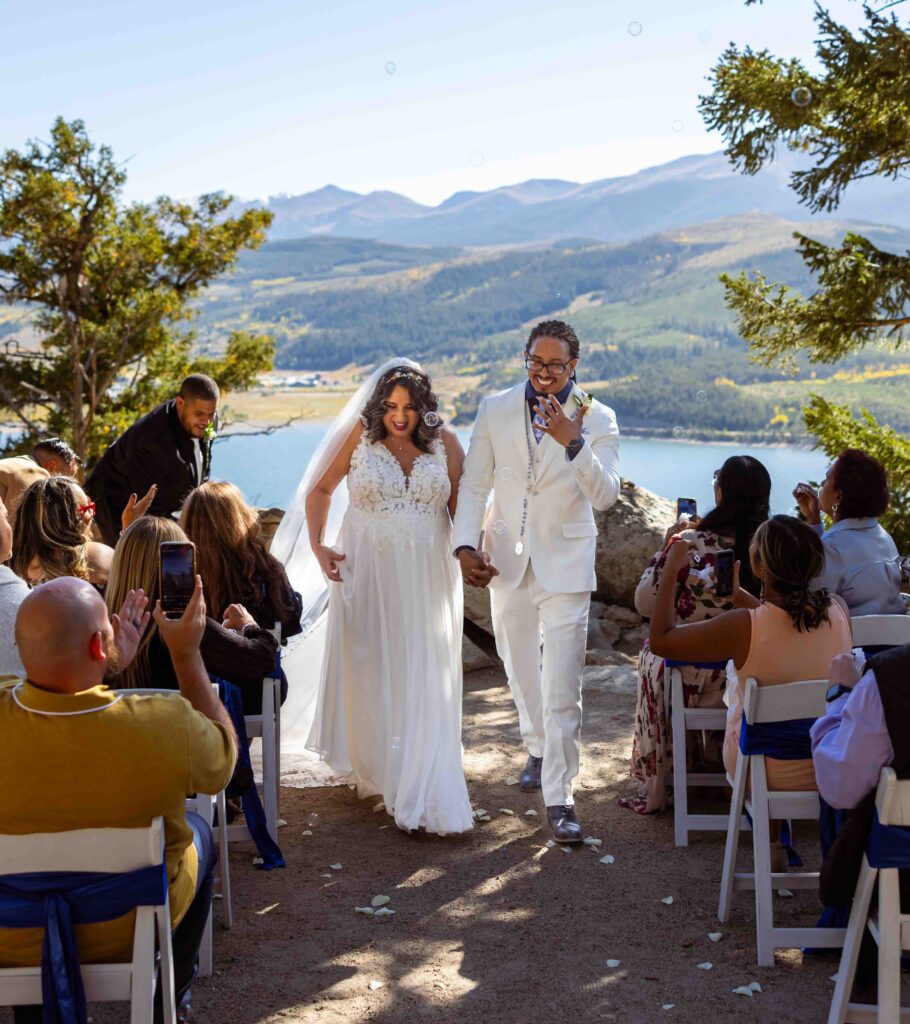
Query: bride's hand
[(328, 562)]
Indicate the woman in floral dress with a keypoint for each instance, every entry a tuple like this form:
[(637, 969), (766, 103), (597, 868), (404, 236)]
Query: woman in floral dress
[(742, 489)]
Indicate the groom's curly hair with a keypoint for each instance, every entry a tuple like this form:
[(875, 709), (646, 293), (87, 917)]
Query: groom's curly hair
[(555, 329), (422, 398)]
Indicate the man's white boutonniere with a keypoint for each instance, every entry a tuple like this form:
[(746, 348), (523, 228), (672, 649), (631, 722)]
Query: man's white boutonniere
[(582, 398), (210, 433)]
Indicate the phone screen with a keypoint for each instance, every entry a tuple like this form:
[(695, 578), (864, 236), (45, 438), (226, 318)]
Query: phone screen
[(685, 507), (178, 575), (723, 573)]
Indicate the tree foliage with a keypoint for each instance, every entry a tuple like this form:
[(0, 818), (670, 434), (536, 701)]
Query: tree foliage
[(109, 287)]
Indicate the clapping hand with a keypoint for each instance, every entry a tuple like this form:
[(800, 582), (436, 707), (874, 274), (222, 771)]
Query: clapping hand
[(562, 428), (129, 625), (137, 507)]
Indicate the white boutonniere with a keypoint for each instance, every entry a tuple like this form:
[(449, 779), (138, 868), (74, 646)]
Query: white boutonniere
[(581, 398), (210, 433)]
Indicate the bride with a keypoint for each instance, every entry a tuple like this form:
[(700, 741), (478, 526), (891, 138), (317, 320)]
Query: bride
[(385, 704)]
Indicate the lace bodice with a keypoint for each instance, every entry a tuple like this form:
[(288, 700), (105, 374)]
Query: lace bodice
[(379, 490)]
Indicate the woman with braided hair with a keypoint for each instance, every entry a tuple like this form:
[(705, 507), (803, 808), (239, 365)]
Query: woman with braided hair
[(793, 632), (385, 707)]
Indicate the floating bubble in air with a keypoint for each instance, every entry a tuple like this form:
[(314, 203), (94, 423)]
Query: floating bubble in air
[(499, 527), (431, 419), (312, 819), (701, 396), (704, 36), (679, 432), (505, 473), (476, 159), (634, 28), (391, 67), (801, 96), (677, 126), (396, 743)]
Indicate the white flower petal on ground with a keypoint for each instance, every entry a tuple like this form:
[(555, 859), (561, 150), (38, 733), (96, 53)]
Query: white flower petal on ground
[(484, 817), (550, 843), (715, 936), (743, 990), (369, 911), (785, 893), (592, 841), (706, 966), (505, 810), (531, 814), (479, 812), (327, 876), (668, 900), (833, 978), (307, 832), (383, 827), (376, 984), (384, 912), (754, 985), (335, 867), (281, 823), (668, 1006), (512, 781), (380, 901), (609, 859), (257, 861), (380, 806), (613, 963)]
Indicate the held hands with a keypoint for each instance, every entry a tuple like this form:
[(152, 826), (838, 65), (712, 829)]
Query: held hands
[(559, 426), (476, 568), (137, 507), (807, 499), (328, 561), (184, 635), (129, 625), (236, 617)]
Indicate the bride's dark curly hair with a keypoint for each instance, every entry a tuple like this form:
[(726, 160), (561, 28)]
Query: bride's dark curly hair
[(423, 400)]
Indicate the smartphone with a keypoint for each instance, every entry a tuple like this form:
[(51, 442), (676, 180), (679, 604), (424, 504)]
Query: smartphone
[(723, 572), (686, 507), (176, 576)]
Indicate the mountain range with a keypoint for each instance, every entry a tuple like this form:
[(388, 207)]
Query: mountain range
[(687, 191)]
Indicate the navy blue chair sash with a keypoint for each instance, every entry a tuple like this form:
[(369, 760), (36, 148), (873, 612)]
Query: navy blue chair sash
[(58, 900), (268, 849), (889, 845), (787, 741), (670, 663)]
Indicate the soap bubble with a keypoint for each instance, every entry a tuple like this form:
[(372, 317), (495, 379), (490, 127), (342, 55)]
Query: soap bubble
[(505, 473), (634, 28), (396, 743), (704, 36), (801, 96), (701, 396), (499, 527), (476, 159), (312, 819), (679, 432), (391, 67), (431, 418), (677, 126)]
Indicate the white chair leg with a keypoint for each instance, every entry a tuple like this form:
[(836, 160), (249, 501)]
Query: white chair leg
[(224, 862), (166, 965), (277, 755), (269, 765), (761, 846), (889, 946), (730, 850), (856, 928), (206, 959), (142, 996), (678, 732)]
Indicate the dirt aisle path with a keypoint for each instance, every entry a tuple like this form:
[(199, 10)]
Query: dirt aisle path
[(493, 927)]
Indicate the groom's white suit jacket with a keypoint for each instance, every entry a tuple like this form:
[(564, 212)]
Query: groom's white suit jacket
[(560, 534)]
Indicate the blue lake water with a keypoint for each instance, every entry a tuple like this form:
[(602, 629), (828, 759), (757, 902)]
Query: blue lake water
[(267, 468)]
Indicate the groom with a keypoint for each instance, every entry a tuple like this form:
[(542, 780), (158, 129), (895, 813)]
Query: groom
[(549, 453)]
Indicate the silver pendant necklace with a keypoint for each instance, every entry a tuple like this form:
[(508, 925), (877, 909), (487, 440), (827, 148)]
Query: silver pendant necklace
[(519, 544)]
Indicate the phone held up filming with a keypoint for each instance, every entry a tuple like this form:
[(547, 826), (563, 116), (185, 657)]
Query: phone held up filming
[(723, 572), (176, 576), (686, 508)]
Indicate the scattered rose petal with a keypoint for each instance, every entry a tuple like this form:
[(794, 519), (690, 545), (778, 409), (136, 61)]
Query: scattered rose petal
[(379, 807), (335, 867), (754, 985), (364, 910), (505, 810), (613, 963), (376, 984), (307, 832), (480, 811), (743, 990), (512, 781), (530, 814), (706, 966), (668, 1006), (257, 861), (550, 843), (484, 817), (383, 827), (785, 893), (566, 849), (591, 841), (384, 912), (326, 876), (833, 977), (380, 901), (668, 900), (715, 936), (609, 859), (281, 823)]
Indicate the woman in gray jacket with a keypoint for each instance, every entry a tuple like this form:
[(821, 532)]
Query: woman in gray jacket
[(862, 563)]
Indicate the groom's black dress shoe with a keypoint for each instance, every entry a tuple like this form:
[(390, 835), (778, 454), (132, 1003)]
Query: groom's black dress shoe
[(530, 777), (564, 824)]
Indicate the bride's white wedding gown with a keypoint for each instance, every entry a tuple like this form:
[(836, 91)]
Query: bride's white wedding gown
[(389, 709)]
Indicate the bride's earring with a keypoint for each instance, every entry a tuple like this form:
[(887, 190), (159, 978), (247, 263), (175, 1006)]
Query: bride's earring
[(834, 509)]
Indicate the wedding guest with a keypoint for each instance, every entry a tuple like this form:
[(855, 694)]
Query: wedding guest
[(52, 535), (862, 564), (233, 560), (13, 591), (56, 456), (742, 489), (76, 755), (793, 633), (236, 649), (170, 447)]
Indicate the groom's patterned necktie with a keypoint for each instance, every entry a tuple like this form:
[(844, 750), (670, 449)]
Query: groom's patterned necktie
[(536, 423)]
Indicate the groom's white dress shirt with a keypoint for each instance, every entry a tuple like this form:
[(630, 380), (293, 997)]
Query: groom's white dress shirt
[(546, 569)]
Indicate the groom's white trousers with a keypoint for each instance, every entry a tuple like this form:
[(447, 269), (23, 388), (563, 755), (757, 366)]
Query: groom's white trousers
[(546, 685)]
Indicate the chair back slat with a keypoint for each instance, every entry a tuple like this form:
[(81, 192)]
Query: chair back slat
[(880, 630), (802, 699), (98, 849)]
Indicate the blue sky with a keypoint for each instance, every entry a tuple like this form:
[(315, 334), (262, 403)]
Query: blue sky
[(259, 98)]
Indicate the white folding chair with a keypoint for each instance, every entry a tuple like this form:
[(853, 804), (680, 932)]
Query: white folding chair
[(113, 850), (685, 720), (764, 705), (880, 630), (889, 927)]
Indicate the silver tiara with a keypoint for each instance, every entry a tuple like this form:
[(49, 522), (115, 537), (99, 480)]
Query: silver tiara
[(406, 374)]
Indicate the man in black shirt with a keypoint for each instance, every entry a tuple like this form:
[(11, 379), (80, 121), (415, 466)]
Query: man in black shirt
[(169, 447)]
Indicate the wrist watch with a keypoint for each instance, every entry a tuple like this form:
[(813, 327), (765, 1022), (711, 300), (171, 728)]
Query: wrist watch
[(574, 447), (833, 692)]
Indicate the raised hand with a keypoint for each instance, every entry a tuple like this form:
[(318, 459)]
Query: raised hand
[(129, 625), (562, 428), (807, 499)]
